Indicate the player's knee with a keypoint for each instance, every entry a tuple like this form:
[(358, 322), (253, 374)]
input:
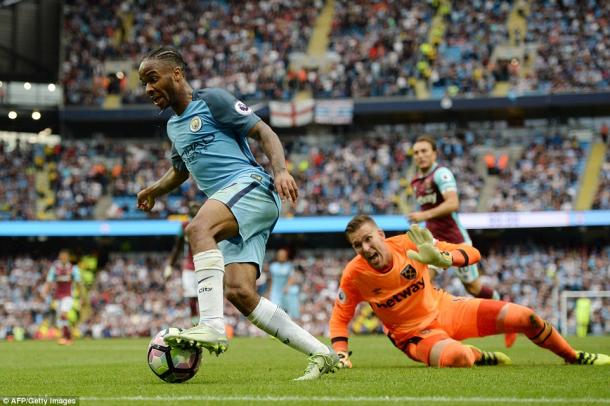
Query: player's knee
[(195, 229), (239, 295), (202, 232), (455, 355), (522, 319)]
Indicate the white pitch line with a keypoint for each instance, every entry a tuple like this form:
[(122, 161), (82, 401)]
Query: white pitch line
[(346, 399)]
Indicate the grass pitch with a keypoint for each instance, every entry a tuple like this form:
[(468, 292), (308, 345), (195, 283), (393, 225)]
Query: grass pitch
[(260, 370)]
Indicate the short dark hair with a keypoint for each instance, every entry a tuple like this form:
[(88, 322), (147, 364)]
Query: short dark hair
[(427, 138), (169, 54), (357, 222)]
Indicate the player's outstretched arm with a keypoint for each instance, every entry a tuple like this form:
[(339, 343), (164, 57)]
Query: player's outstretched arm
[(271, 145), (343, 312), (168, 182), (426, 252), (441, 254)]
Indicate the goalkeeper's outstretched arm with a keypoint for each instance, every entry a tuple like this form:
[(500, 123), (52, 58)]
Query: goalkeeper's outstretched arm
[(339, 333), (440, 253), (343, 312)]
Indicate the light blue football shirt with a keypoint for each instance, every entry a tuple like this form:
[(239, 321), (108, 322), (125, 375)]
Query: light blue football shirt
[(209, 140), (280, 273)]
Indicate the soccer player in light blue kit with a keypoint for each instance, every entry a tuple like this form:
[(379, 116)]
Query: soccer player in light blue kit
[(228, 235), (281, 269)]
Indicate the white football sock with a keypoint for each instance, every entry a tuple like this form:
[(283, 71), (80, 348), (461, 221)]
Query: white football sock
[(210, 270), (274, 321)]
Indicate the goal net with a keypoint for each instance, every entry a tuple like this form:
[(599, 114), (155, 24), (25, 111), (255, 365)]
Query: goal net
[(566, 307)]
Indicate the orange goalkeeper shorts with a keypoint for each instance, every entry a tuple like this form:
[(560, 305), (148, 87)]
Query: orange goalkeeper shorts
[(459, 318)]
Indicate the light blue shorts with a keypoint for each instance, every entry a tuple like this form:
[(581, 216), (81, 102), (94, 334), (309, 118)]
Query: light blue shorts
[(256, 207)]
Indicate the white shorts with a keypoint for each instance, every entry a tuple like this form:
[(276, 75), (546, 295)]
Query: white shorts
[(65, 304), (466, 274), (189, 283)]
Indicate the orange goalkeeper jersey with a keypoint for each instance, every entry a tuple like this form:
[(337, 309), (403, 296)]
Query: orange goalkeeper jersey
[(403, 298)]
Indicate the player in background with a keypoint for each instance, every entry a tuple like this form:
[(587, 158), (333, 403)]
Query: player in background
[(189, 282), (436, 193), (424, 322), (228, 235), (281, 270), (62, 278)]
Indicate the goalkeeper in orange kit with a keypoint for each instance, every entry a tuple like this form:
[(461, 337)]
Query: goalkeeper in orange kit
[(424, 322)]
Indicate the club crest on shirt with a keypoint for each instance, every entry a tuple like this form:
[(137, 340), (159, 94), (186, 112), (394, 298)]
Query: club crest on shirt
[(242, 108), (341, 297), (409, 273), (195, 124)]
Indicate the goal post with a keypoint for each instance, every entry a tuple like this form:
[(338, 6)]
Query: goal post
[(567, 294)]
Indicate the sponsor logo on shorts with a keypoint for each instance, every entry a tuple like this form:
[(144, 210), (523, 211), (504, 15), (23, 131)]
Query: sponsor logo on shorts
[(400, 296)]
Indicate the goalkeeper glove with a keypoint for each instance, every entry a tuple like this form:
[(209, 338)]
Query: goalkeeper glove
[(427, 253), (344, 361), (167, 271)]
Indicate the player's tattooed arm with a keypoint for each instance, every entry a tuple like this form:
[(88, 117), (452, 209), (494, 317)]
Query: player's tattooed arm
[(271, 145)]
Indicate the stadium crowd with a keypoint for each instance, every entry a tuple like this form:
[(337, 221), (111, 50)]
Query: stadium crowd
[(573, 39), (128, 295), (337, 175), (462, 63), (545, 177), (602, 198), (17, 183), (375, 48), (242, 46)]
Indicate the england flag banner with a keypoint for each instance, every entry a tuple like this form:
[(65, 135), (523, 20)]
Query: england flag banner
[(291, 114)]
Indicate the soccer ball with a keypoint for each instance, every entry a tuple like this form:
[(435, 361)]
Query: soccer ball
[(172, 364)]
